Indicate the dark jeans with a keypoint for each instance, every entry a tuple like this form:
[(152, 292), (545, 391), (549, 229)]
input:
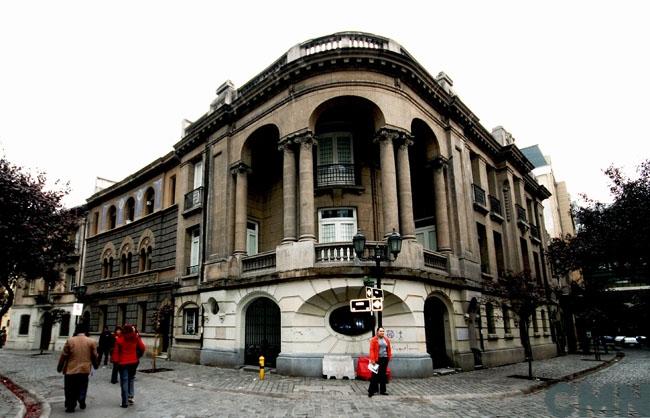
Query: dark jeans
[(103, 353), (114, 373), (75, 388), (127, 377), (379, 379)]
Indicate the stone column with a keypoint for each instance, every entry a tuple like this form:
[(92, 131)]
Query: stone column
[(288, 190), (407, 222), (440, 190), (306, 184), (240, 171), (385, 139)]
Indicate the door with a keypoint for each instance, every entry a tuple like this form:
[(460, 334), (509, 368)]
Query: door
[(262, 332), (46, 331), (435, 313)]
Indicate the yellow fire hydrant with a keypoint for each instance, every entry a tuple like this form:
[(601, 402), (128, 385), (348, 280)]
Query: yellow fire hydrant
[(261, 367)]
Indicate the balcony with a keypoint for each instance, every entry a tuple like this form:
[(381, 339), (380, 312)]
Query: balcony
[(193, 201), (480, 203), (332, 175), (435, 260), (522, 220), (192, 270), (334, 252), (262, 261), (496, 212), (534, 234)]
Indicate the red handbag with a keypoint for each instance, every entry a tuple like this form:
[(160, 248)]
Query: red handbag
[(362, 369)]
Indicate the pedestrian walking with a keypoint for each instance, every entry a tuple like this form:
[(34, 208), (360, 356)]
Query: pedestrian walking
[(79, 355), (115, 372), (127, 347), (105, 345), (380, 354), (3, 336)]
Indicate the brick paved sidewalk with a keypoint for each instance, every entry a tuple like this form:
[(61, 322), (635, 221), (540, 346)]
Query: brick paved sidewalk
[(38, 373), (10, 405)]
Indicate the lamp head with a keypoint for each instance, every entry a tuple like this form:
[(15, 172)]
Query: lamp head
[(359, 243)]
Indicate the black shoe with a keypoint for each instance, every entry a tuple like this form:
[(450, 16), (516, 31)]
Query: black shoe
[(82, 404), (113, 381), (69, 410), (124, 405), (370, 394), (384, 393)]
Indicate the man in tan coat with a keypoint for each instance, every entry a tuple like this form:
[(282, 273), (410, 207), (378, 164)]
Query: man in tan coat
[(78, 356)]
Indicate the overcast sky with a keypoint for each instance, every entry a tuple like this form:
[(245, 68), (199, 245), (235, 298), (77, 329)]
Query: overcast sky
[(92, 88)]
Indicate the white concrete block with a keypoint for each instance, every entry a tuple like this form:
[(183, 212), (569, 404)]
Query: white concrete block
[(338, 366)]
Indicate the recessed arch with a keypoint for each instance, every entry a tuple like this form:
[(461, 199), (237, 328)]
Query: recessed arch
[(438, 327), (341, 105), (262, 331)]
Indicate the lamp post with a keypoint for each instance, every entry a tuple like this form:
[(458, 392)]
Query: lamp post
[(379, 254)]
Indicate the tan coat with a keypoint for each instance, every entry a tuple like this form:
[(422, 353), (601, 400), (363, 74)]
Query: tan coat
[(79, 355)]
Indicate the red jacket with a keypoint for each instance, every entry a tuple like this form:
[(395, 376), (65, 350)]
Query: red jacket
[(124, 352), (374, 349)]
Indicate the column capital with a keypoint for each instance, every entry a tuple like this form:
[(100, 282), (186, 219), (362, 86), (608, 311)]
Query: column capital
[(240, 167), (285, 144), (404, 140), (303, 136), (439, 162), (387, 134)]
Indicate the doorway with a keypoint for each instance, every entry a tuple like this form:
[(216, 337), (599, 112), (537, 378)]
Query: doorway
[(46, 331), (435, 318), (262, 332)]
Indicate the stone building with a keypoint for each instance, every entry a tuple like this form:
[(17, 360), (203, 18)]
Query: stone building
[(342, 133)]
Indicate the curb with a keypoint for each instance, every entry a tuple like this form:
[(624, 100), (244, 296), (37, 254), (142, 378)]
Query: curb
[(46, 409)]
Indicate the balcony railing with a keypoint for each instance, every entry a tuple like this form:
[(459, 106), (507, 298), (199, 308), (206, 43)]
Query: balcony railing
[(480, 203), (194, 199), (534, 232), (336, 175), (262, 261), (521, 215), (334, 252), (192, 270), (435, 260), (495, 208)]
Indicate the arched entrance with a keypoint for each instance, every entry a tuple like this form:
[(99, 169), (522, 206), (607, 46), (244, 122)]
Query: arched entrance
[(435, 318), (262, 332)]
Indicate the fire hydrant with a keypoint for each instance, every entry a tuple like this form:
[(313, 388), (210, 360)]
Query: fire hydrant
[(261, 367)]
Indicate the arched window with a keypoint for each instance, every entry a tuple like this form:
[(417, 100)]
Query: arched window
[(149, 198), (489, 313), (149, 251), (105, 268), (112, 217), (110, 267), (130, 209), (143, 260), (129, 259), (123, 265)]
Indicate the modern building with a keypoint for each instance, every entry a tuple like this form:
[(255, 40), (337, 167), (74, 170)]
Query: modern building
[(245, 230)]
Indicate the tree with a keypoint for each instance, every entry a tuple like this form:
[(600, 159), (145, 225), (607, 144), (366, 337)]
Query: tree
[(523, 296), (35, 230), (159, 320), (610, 247)]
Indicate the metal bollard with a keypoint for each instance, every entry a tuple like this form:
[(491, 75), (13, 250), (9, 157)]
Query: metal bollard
[(261, 367)]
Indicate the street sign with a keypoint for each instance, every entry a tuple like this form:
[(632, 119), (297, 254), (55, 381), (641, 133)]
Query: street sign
[(360, 305), (377, 304), (374, 293), (77, 308)]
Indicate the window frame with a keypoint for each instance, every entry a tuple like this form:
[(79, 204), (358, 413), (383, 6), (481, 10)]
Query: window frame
[(338, 222), (335, 137), (193, 312)]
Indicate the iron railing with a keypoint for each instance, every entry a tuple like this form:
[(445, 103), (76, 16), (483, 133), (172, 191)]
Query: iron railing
[(194, 199), (521, 213), (336, 175), (479, 195), (495, 206)]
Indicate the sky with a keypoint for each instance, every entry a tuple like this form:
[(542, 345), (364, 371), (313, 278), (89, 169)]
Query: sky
[(99, 89)]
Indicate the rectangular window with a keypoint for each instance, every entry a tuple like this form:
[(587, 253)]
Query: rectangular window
[(142, 316), (506, 319), (524, 255), (190, 321), (337, 224), (121, 314), (23, 327), (427, 237), (498, 249), (538, 273), (252, 237), (335, 159), (172, 189), (64, 330), (95, 224), (195, 246), (483, 248), (534, 321), (198, 174)]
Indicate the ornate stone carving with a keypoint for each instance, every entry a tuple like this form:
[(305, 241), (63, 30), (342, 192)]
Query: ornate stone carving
[(240, 167), (127, 282)]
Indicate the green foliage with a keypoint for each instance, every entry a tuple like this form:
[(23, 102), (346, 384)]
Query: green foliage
[(34, 230), (158, 318)]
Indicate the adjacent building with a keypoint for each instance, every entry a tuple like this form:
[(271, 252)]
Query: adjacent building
[(239, 241)]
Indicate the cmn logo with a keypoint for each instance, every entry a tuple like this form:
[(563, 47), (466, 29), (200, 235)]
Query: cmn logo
[(616, 400)]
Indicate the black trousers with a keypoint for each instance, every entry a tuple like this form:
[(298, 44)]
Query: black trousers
[(75, 389), (104, 353), (379, 379)]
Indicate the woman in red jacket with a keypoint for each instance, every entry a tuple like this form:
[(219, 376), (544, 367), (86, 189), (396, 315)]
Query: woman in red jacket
[(128, 349), (380, 353)]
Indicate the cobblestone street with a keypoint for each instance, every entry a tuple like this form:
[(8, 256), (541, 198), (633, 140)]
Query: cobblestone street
[(200, 391)]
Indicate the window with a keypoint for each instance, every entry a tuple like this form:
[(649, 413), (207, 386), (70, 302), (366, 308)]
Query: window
[(489, 313), (172, 189), (149, 251), (121, 314), (538, 273), (145, 259), (130, 210), (112, 217), (535, 325), (506, 320), (142, 317), (351, 323), (110, 267), (498, 249), (198, 174), (95, 224), (190, 321), (125, 267), (70, 276), (337, 224), (544, 321), (426, 236), (64, 330), (483, 248), (107, 268), (194, 255), (252, 237), (149, 198), (524, 254), (335, 159), (23, 327)]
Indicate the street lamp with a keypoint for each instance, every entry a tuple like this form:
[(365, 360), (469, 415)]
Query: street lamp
[(80, 291), (379, 254)]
